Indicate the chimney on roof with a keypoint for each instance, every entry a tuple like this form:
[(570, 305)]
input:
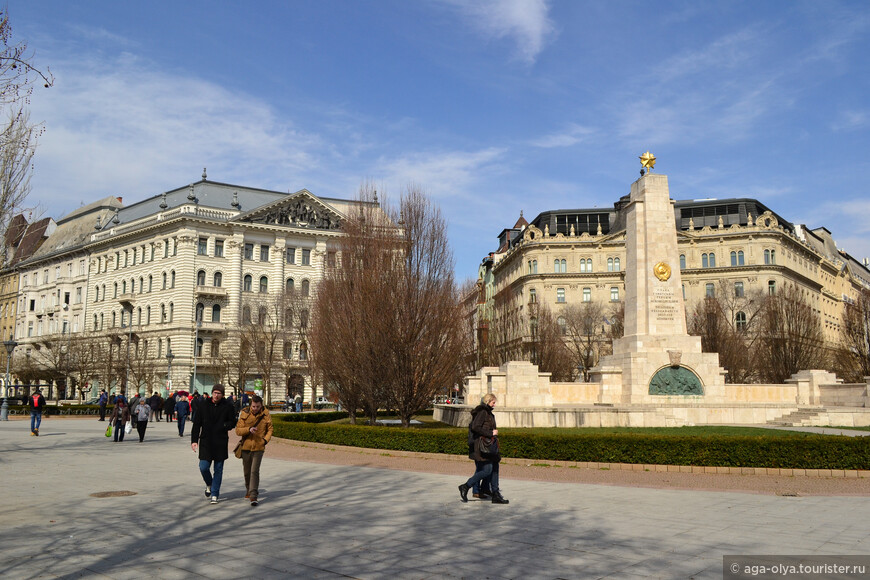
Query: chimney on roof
[(120, 199)]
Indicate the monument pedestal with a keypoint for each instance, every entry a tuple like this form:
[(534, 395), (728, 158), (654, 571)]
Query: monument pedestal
[(656, 360)]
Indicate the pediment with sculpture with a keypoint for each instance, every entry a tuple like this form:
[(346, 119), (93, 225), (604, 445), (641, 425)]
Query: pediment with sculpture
[(300, 210)]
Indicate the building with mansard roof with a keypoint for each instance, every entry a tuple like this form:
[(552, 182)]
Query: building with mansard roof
[(735, 245), (183, 272)]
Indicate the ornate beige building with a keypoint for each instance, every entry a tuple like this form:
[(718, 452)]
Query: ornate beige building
[(188, 268), (733, 245)]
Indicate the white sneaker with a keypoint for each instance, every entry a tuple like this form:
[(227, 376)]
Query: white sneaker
[(214, 499), (207, 492)]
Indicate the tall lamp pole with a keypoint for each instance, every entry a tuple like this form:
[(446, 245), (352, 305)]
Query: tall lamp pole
[(129, 361), (195, 352), (4, 409), (169, 357)]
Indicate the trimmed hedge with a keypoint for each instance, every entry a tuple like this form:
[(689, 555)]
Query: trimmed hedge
[(330, 416), (811, 452)]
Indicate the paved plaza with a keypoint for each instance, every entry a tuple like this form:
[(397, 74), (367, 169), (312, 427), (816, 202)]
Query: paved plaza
[(333, 521)]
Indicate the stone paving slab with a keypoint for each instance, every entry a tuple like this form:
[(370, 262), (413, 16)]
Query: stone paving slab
[(336, 521)]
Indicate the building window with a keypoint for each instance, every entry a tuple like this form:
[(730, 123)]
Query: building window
[(172, 279), (78, 295), (218, 248), (563, 325), (262, 315), (770, 257), (288, 286), (740, 321), (737, 258), (560, 295), (202, 247), (200, 308), (306, 287), (199, 343), (249, 251), (264, 253), (171, 311), (306, 257), (164, 280), (141, 285), (330, 259), (248, 284), (587, 295), (150, 282), (710, 290), (682, 261), (303, 318), (614, 294), (215, 347), (610, 264), (738, 289), (200, 278), (290, 255), (163, 314), (771, 287), (246, 315), (174, 246), (264, 285), (123, 286), (303, 351), (115, 292), (533, 296), (166, 248), (216, 313), (147, 315), (708, 260), (218, 279), (684, 291), (534, 266), (616, 266)]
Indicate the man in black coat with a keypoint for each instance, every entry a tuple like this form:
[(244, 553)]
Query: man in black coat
[(212, 422)]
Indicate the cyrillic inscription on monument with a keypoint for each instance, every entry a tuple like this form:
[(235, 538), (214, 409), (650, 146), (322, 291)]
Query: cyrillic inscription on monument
[(663, 304)]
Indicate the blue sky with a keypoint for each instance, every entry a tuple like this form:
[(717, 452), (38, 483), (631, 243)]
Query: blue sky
[(491, 107)]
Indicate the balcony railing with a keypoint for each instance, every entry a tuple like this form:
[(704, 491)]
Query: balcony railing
[(211, 290)]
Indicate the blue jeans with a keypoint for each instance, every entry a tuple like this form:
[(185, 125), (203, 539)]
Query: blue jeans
[(181, 420), (486, 470), (480, 485), (35, 420), (214, 482), (298, 407)]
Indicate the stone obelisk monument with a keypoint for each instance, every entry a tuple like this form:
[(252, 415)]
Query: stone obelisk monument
[(656, 360)]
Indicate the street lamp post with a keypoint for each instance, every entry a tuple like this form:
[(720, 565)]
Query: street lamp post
[(4, 409), (129, 361), (169, 357), (195, 349)]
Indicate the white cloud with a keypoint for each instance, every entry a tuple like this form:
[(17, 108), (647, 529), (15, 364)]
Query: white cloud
[(851, 121), (572, 135), (443, 174), (526, 22)]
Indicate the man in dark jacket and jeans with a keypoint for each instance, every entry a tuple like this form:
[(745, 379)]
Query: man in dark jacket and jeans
[(37, 404), (212, 422)]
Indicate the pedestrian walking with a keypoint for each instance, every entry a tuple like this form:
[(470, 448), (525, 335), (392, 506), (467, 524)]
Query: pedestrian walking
[(134, 402), (37, 405), (182, 410), (298, 400), (255, 428), (156, 404), (142, 412), (483, 449), (169, 408), (119, 417), (210, 437), (102, 401)]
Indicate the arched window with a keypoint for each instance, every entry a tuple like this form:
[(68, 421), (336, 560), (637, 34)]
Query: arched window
[(288, 318), (616, 266), (610, 264), (123, 286), (97, 294), (147, 315), (215, 347), (164, 280), (171, 311), (218, 279), (200, 278), (150, 282), (114, 319), (733, 258), (246, 314), (533, 296), (199, 343), (200, 308), (563, 325), (738, 289), (306, 286), (740, 321), (115, 293), (303, 318), (564, 266), (288, 350), (141, 285), (264, 284), (248, 283), (770, 256), (710, 290), (556, 266), (288, 286), (530, 266), (139, 316), (102, 321), (771, 287), (96, 326), (262, 315), (216, 313), (534, 266), (583, 265), (162, 313), (172, 279), (682, 261), (704, 261), (303, 351)]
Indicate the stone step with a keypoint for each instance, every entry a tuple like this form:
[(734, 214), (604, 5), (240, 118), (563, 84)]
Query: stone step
[(797, 418)]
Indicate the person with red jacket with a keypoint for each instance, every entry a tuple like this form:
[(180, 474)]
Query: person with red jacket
[(37, 404)]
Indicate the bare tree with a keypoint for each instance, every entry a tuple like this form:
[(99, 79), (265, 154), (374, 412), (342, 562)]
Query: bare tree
[(853, 355), (18, 136), (234, 360), (791, 337), (85, 355), (262, 328), (585, 334), (547, 347)]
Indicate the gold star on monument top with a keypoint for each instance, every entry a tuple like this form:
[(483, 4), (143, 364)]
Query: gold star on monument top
[(648, 160)]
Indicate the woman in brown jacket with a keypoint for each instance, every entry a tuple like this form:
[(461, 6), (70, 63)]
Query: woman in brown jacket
[(255, 428), (120, 416)]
